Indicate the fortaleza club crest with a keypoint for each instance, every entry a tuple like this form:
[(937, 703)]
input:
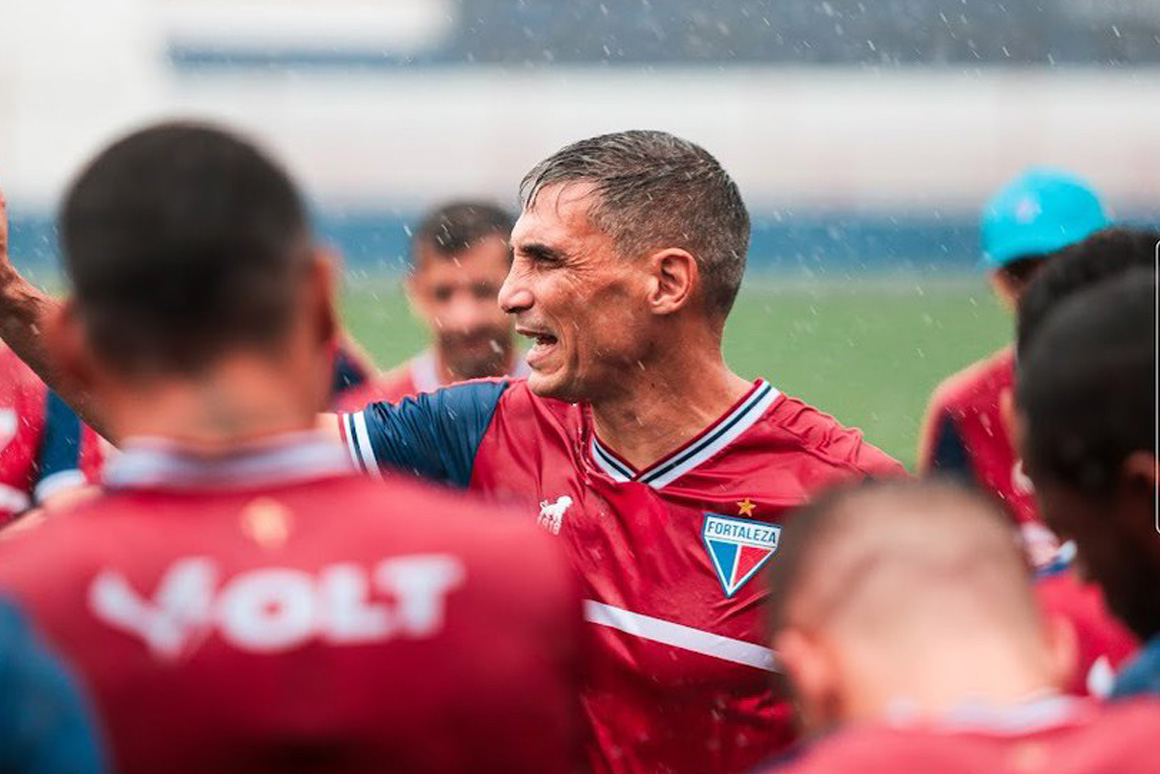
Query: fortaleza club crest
[(738, 547)]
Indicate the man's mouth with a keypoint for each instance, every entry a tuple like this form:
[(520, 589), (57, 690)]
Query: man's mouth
[(542, 343)]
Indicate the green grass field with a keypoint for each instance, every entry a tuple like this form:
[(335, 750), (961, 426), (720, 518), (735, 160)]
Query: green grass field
[(867, 352)]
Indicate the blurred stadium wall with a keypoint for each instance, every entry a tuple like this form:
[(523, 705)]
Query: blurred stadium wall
[(863, 135)]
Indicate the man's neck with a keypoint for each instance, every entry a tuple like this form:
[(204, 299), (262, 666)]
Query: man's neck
[(660, 407), (235, 404), (984, 672)]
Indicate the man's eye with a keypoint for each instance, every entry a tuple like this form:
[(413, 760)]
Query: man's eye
[(441, 294), (484, 291)]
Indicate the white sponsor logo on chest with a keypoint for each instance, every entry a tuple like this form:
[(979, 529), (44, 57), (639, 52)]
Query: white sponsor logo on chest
[(552, 514), (273, 609)]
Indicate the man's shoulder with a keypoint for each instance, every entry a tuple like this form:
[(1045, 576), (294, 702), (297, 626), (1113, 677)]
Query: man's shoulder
[(348, 516), (792, 425), (389, 387), (981, 381)]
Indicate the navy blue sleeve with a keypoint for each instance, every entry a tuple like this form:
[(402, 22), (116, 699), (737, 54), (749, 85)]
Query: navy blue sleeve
[(45, 725), (348, 372), (58, 459), (949, 453), (434, 435)]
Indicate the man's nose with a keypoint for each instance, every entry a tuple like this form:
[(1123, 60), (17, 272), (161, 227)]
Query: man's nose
[(515, 295), (467, 313)]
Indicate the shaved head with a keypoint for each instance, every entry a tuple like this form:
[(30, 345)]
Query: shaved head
[(854, 553), (904, 591)]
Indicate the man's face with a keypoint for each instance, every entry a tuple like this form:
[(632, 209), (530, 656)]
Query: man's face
[(1113, 537), (575, 297), (455, 296)]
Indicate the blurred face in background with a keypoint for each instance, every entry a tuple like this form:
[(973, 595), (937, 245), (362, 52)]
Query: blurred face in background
[(455, 297), (578, 300)]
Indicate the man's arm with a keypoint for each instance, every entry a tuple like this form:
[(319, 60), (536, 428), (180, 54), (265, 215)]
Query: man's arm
[(433, 435), (23, 311)]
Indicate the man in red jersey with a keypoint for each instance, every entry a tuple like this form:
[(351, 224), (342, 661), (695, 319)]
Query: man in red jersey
[(46, 454), (1087, 424), (238, 600), (459, 258), (665, 476), (1028, 218), (905, 621)]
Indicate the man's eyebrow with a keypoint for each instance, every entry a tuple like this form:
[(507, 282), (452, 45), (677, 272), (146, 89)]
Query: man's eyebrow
[(540, 252)]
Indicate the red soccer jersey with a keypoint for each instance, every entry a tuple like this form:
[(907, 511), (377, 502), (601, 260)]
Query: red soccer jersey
[(1051, 736), (273, 612), (44, 449), (419, 374), (669, 556), (964, 432)]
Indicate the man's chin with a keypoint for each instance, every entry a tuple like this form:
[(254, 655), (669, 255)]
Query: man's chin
[(549, 385)]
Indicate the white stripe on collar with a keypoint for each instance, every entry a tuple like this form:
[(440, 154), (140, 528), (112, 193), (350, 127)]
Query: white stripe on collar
[(1041, 711), (161, 463), (706, 444)]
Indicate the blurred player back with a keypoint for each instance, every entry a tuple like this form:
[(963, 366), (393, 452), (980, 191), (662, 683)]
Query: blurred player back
[(275, 611)]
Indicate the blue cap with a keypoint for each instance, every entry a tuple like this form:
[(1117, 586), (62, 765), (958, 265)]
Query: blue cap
[(1038, 212)]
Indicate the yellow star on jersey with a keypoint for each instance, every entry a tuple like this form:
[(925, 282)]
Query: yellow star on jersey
[(745, 507)]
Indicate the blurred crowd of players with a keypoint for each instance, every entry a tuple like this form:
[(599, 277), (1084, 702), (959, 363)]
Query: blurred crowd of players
[(651, 564)]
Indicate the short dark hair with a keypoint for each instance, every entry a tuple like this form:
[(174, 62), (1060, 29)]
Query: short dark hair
[(1086, 385), (1019, 272), (458, 226), (182, 241), (656, 190), (1106, 253)]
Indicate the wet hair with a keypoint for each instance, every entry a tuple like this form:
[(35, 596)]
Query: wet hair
[(458, 226), (1104, 254), (183, 242), (655, 191), (1086, 384)]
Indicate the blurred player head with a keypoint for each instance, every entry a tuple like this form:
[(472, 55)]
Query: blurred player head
[(1105, 254), (1086, 395), (195, 284), (906, 597), (1030, 216), (630, 247), (459, 258)]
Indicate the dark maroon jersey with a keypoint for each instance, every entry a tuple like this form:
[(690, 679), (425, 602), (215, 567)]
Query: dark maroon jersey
[(271, 611), (669, 557), (1054, 735)]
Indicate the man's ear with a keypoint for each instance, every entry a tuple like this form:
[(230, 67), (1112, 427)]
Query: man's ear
[(812, 676), (1138, 477), (673, 276), (68, 347), (1062, 649), (320, 294), (1139, 471)]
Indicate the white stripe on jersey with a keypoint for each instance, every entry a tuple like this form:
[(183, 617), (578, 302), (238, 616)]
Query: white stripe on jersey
[(680, 636), (12, 500), (57, 482), (366, 451), (351, 443)]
